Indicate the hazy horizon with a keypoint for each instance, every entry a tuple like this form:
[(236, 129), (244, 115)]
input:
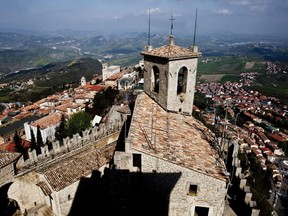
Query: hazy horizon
[(267, 17)]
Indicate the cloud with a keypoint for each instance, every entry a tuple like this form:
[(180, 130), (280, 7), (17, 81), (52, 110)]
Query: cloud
[(222, 12), (117, 17), (258, 8), (154, 10), (253, 5), (241, 2)]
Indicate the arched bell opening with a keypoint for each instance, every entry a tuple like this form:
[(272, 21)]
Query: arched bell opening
[(155, 79), (182, 80)]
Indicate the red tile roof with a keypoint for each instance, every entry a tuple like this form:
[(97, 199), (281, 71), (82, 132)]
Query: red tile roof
[(94, 87), (276, 137)]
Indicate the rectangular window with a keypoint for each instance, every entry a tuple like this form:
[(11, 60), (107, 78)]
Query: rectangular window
[(137, 160), (192, 190), (201, 211)]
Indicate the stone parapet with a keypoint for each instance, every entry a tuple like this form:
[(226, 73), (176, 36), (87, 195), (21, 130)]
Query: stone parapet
[(88, 137)]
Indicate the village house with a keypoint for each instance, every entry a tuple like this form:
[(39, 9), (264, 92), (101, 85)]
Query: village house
[(47, 126), (70, 108), (109, 70)]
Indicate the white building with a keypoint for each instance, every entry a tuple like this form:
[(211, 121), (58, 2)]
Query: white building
[(109, 70), (47, 126)]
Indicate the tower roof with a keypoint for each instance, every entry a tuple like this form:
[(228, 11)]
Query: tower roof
[(172, 51)]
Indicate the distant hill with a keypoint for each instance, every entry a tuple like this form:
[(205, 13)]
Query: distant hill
[(58, 73), (49, 79)]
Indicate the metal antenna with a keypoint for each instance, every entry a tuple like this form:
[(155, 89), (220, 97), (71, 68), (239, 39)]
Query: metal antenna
[(149, 29), (195, 27), (172, 19)]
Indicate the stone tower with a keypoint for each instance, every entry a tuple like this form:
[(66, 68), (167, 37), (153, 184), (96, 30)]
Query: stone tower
[(83, 81), (170, 76)]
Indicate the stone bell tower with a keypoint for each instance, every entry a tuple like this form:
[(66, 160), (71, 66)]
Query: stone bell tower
[(170, 76)]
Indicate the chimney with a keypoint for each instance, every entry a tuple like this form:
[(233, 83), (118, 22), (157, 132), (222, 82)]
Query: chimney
[(194, 49), (148, 48), (171, 40)]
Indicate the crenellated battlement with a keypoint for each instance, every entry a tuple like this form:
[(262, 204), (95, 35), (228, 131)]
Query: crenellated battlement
[(56, 150)]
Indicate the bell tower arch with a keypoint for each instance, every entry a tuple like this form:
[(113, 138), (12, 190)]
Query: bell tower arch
[(170, 76)]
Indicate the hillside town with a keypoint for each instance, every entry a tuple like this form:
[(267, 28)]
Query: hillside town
[(256, 135)]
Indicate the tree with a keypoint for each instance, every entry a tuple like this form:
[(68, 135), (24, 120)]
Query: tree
[(100, 103), (33, 140), (60, 131), (18, 143), (39, 136), (78, 122), (104, 100), (39, 142)]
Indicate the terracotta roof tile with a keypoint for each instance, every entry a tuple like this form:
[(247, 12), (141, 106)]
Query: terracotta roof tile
[(47, 121), (44, 187), (68, 171), (173, 137), (7, 158), (171, 51), (94, 87)]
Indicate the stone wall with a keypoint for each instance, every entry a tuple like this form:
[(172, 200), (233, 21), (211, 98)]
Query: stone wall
[(183, 101), (244, 187), (25, 191), (211, 192), (173, 183), (65, 197), (6, 173), (168, 78), (161, 97)]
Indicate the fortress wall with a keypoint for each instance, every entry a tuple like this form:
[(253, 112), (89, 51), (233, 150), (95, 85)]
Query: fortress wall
[(243, 186), (89, 136)]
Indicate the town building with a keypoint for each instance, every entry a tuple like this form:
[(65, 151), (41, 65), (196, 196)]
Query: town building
[(173, 155), (47, 127), (109, 70)]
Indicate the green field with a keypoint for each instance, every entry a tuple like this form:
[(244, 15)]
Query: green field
[(273, 85), (126, 61), (221, 65)]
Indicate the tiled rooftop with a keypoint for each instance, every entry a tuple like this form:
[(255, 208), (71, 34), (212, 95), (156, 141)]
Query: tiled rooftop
[(171, 51), (94, 87), (44, 187), (7, 158), (47, 121), (173, 137), (66, 172), (118, 75), (63, 107)]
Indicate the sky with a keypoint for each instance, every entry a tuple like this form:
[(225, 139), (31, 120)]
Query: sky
[(269, 17)]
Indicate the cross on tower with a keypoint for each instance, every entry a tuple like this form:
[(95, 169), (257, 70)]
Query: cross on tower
[(172, 19)]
